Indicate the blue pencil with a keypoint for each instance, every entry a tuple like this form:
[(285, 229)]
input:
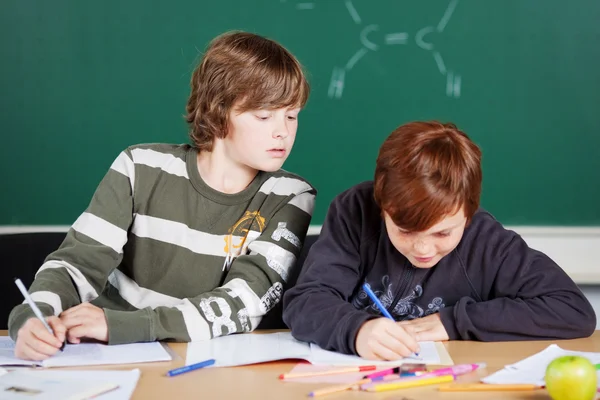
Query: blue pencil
[(370, 293), (188, 368), (385, 312)]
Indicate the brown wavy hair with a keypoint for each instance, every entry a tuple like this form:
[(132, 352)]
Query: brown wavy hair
[(242, 70), (426, 171)]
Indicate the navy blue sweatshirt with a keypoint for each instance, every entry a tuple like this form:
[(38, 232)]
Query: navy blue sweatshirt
[(491, 287)]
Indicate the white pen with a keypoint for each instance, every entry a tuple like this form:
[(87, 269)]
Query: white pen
[(34, 307)]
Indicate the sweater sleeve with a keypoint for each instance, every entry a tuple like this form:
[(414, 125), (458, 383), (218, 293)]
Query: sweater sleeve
[(317, 309), (78, 271), (253, 285), (524, 295)]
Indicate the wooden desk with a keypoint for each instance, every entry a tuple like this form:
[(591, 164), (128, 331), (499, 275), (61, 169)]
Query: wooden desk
[(260, 381)]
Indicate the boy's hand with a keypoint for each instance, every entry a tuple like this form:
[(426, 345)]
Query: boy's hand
[(85, 321), (34, 342), (427, 328), (384, 339)]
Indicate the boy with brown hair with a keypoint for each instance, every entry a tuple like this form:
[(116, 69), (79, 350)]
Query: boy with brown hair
[(442, 267), (187, 242)]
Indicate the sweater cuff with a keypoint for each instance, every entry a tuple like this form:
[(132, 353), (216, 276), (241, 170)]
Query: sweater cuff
[(129, 326), (449, 322), (21, 313)]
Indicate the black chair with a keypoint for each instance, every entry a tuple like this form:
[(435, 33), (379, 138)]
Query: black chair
[(24, 253)]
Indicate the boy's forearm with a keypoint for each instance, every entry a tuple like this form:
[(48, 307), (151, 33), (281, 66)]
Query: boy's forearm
[(558, 316), (324, 320), (129, 326), (193, 319)]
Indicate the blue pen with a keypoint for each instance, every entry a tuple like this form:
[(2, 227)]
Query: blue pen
[(385, 312), (188, 368)]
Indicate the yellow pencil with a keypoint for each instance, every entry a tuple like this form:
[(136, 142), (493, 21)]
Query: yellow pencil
[(348, 386), (481, 387), (410, 383)]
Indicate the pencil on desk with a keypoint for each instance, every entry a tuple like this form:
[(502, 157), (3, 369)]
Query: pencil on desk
[(482, 387), (383, 372), (409, 383), (192, 367), (337, 388), (348, 370), (353, 386)]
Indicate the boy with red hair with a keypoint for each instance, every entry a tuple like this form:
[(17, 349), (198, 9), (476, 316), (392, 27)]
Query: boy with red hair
[(442, 267)]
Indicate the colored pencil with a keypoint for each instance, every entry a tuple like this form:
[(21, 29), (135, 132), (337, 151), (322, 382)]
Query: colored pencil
[(409, 383), (481, 387), (348, 370)]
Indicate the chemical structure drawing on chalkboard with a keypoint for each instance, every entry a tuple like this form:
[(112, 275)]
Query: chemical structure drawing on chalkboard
[(338, 76)]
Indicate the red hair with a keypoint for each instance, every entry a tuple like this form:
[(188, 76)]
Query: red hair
[(426, 171)]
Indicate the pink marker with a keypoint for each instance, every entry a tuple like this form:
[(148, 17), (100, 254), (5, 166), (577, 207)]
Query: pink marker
[(383, 372), (454, 370)]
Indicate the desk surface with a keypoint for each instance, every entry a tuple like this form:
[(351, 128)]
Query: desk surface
[(260, 381)]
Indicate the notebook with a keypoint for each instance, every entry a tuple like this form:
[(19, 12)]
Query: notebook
[(89, 354), (244, 349)]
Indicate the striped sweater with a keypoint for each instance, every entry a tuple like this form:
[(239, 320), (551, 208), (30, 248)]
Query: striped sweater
[(152, 250)]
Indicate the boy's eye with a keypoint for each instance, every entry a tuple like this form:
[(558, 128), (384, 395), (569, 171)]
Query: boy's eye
[(442, 234), (262, 117), (292, 117)]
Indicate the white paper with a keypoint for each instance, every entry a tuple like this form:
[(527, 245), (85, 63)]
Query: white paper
[(90, 354), (7, 353), (533, 369), (68, 385), (127, 380), (244, 349)]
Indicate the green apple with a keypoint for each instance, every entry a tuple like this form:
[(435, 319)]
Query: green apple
[(571, 378)]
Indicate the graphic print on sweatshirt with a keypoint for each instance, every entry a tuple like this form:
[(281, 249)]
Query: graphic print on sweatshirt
[(251, 220), (406, 308)]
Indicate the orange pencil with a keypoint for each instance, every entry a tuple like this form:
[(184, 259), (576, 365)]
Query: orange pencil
[(481, 387), (292, 375), (337, 388)]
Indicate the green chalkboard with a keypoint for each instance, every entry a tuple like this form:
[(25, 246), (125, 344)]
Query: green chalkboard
[(81, 80)]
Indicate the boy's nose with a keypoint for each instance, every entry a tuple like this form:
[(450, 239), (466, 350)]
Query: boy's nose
[(281, 130), (421, 247)]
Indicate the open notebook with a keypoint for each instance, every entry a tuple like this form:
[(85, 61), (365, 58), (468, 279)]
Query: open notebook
[(243, 349), (89, 354)]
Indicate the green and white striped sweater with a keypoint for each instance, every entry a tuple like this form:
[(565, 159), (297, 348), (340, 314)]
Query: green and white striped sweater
[(151, 247)]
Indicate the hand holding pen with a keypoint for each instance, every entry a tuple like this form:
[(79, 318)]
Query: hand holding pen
[(39, 338), (383, 338)]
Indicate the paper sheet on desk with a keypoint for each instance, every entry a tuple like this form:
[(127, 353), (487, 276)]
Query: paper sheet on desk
[(127, 380), (244, 349), (532, 369), (59, 384), (89, 354)]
